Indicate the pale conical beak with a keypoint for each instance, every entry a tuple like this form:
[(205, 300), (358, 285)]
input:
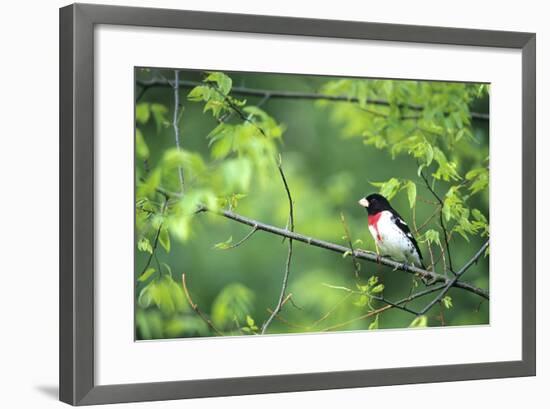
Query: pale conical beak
[(364, 202)]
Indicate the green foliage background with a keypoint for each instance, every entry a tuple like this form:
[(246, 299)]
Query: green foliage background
[(333, 153)]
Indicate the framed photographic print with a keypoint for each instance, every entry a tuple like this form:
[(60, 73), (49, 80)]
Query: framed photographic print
[(255, 204)]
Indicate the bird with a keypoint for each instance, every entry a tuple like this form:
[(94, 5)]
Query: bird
[(390, 232)]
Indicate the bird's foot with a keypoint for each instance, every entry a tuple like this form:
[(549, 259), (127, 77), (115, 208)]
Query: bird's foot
[(428, 281)]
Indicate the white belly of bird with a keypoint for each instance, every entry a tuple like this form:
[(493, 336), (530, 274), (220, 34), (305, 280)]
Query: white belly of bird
[(393, 242)]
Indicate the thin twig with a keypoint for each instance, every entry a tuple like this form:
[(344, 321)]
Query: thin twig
[(156, 241), (280, 303), (451, 282), (393, 304), (236, 109), (441, 221), (285, 321), (175, 122), (442, 314), (432, 265), (427, 221), (416, 232), (329, 312), (195, 307), (241, 241), (442, 257), (356, 264), (374, 297), (386, 307)]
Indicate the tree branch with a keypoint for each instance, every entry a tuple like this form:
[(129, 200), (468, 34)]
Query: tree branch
[(455, 278), (362, 255), (359, 254), (195, 307), (276, 94), (281, 301)]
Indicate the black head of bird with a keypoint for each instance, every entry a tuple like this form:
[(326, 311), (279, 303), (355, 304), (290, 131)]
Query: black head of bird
[(375, 203)]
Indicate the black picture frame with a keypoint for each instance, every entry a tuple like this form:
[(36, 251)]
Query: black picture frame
[(77, 385)]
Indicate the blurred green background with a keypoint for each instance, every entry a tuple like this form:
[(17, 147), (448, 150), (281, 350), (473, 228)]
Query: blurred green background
[(330, 157)]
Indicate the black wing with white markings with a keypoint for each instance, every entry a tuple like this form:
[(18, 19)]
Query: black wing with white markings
[(399, 222)]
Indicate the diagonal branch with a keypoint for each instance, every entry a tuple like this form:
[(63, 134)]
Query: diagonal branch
[(455, 278), (362, 255), (281, 301)]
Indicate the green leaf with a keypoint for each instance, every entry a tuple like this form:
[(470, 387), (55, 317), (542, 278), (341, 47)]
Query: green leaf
[(429, 154), (224, 244), (222, 81), (145, 276), (160, 115), (150, 185), (164, 239), (142, 112), (373, 280), (191, 162), (447, 301), (362, 301), (447, 169), (411, 193), (446, 212), (374, 324), (234, 199), (165, 294), (378, 289), (142, 150), (232, 304), (199, 93), (479, 179), (145, 245), (249, 321), (389, 188), (419, 322), (237, 174), (149, 325), (167, 267), (142, 326), (432, 236)]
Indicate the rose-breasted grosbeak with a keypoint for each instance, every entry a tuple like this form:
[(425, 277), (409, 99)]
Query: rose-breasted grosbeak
[(391, 234)]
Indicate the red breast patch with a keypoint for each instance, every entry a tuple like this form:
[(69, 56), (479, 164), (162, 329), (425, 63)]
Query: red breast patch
[(373, 221)]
